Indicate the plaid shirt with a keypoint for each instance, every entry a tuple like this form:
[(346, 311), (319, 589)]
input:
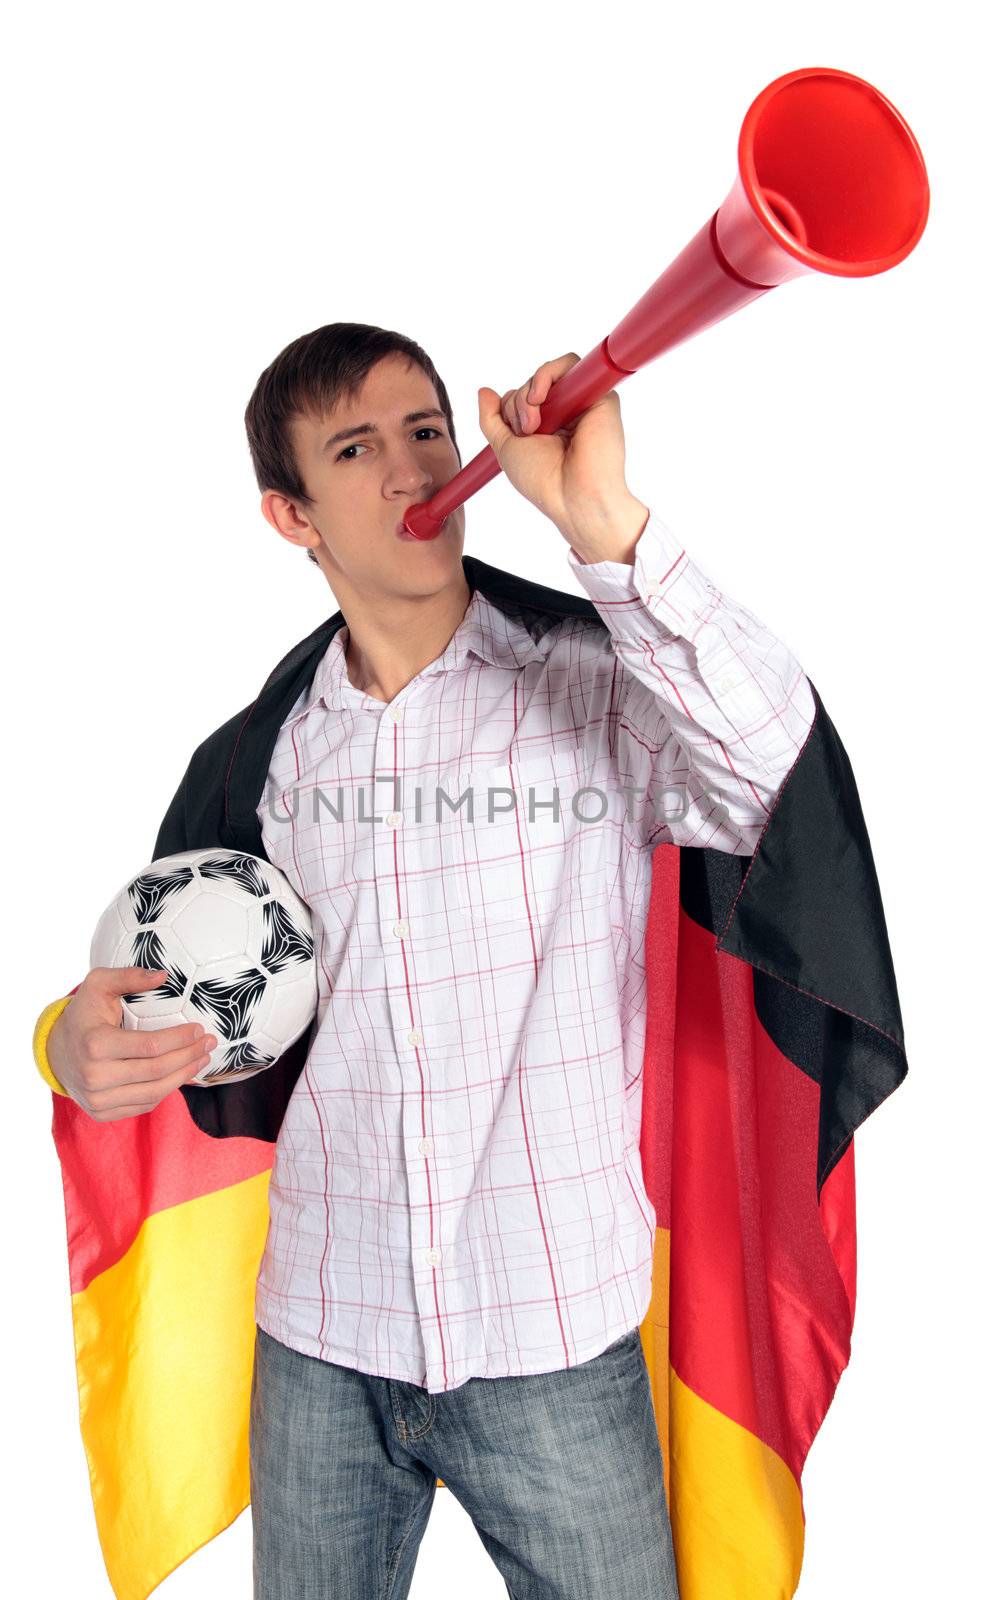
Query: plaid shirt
[(457, 1189)]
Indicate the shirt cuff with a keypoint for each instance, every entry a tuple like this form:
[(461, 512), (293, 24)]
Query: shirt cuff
[(662, 578)]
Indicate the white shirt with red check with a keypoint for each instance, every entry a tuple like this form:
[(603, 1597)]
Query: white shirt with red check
[(457, 1189)]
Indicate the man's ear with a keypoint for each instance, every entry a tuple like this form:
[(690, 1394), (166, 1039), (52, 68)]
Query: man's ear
[(288, 521)]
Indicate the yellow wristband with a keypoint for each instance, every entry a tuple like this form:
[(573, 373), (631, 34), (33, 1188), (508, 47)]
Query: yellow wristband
[(42, 1029)]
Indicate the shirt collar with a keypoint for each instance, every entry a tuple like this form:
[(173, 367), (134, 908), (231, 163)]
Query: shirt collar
[(484, 633)]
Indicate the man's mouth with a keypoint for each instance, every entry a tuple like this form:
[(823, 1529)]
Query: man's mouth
[(403, 532)]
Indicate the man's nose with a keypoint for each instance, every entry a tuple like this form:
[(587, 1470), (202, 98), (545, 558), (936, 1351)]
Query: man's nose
[(409, 471)]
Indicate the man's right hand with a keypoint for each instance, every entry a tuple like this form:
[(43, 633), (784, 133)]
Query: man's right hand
[(113, 1071)]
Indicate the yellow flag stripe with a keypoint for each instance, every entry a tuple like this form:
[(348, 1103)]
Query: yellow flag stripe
[(735, 1506), (736, 1515), (164, 1352)]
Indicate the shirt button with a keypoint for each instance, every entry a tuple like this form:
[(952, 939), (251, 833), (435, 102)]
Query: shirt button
[(414, 1036), (426, 1147), (653, 586), (394, 818), (432, 1256), (400, 929), (725, 686), (395, 714)]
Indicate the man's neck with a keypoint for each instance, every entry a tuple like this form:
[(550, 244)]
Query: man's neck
[(389, 642)]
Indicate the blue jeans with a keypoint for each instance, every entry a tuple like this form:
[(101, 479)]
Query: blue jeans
[(561, 1473)]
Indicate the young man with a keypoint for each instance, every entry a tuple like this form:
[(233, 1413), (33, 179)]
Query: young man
[(460, 1245)]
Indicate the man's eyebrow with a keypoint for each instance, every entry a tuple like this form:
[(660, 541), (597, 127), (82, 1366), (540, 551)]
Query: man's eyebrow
[(370, 427)]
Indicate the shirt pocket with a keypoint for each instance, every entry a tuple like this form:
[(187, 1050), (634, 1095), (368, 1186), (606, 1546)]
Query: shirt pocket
[(532, 862), (539, 790)]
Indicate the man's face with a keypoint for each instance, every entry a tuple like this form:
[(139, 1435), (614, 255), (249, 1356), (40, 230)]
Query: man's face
[(362, 484)]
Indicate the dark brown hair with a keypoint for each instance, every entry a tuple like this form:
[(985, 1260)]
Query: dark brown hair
[(309, 377)]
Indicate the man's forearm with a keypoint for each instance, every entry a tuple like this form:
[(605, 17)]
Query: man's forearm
[(607, 532)]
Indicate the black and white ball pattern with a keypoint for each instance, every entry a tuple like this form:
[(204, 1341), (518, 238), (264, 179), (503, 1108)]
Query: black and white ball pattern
[(237, 944)]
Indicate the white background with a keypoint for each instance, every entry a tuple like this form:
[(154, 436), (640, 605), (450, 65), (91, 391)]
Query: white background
[(188, 188)]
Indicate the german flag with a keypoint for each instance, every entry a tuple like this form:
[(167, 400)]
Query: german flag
[(773, 1031)]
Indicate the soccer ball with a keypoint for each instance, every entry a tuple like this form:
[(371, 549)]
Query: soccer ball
[(237, 944)]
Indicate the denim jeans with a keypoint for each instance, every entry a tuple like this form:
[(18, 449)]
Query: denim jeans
[(561, 1473)]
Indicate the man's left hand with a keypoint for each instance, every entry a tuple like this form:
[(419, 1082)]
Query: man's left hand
[(575, 476)]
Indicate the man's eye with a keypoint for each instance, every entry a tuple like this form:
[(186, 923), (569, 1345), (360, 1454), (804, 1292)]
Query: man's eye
[(347, 447)]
